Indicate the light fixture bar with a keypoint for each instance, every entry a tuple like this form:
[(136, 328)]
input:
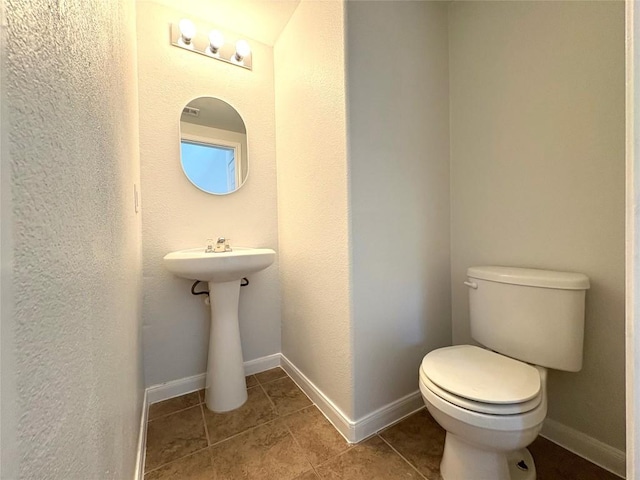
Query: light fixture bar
[(224, 48)]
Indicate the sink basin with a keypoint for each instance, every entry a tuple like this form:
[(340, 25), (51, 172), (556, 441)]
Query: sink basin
[(225, 387), (195, 264)]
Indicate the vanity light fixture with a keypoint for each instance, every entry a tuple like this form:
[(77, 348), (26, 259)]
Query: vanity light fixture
[(213, 45)]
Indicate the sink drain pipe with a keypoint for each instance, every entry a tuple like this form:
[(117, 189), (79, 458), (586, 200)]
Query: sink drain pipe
[(243, 283)]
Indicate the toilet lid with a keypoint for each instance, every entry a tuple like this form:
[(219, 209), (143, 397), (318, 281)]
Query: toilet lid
[(481, 407), (481, 375)]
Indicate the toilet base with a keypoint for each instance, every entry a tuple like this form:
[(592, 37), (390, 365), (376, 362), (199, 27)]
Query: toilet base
[(463, 461), (516, 471)]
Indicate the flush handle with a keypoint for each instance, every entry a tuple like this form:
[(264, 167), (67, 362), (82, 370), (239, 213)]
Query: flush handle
[(473, 285)]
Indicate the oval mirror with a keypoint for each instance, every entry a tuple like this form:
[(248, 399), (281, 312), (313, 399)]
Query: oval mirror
[(213, 146)]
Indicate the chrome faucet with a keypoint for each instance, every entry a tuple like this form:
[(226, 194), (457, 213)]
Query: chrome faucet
[(221, 245), (217, 246)]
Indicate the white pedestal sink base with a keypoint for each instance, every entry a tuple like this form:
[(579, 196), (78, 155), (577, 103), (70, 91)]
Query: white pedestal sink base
[(225, 388)]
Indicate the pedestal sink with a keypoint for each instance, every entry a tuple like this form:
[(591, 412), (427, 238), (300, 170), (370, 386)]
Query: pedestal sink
[(225, 388)]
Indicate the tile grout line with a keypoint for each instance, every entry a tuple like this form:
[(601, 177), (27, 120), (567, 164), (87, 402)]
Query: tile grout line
[(277, 417), (204, 421), (311, 402), (206, 429), (243, 432), (316, 472), (302, 390), (402, 457), (286, 375), (189, 454), (171, 413), (295, 440), (273, 380), (275, 409), (260, 425), (175, 460), (296, 411), (325, 462)]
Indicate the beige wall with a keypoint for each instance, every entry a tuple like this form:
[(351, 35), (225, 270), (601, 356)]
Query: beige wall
[(177, 215), (399, 193), (537, 173), (313, 209), (71, 275)]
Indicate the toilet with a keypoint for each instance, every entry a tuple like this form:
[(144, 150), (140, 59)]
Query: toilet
[(492, 399)]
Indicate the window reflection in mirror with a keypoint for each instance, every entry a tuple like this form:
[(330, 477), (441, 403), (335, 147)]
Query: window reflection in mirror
[(213, 146)]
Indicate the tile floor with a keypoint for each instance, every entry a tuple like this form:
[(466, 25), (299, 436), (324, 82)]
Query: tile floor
[(278, 434)]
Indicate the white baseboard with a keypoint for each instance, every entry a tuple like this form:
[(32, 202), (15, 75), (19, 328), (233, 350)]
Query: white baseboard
[(261, 364), (182, 386), (142, 439), (354, 431), (595, 451), (175, 388), (337, 417), (391, 413)]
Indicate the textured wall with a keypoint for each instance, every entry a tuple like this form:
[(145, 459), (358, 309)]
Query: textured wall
[(399, 193), (177, 215), (313, 205), (71, 307), (537, 173)]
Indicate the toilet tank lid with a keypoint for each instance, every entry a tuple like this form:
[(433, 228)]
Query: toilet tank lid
[(531, 277)]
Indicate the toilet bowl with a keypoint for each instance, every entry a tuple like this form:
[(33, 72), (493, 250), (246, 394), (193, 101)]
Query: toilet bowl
[(492, 400), (485, 440)]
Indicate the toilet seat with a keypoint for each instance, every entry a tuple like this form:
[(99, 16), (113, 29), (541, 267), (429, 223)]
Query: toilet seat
[(512, 423), (480, 407), (481, 381)]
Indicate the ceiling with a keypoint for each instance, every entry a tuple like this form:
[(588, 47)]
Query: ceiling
[(215, 113), (262, 20)]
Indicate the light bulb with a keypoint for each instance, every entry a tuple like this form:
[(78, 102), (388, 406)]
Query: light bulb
[(187, 30), (216, 40), (242, 50)]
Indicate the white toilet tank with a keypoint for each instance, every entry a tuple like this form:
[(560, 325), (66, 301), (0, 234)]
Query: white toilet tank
[(536, 316)]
